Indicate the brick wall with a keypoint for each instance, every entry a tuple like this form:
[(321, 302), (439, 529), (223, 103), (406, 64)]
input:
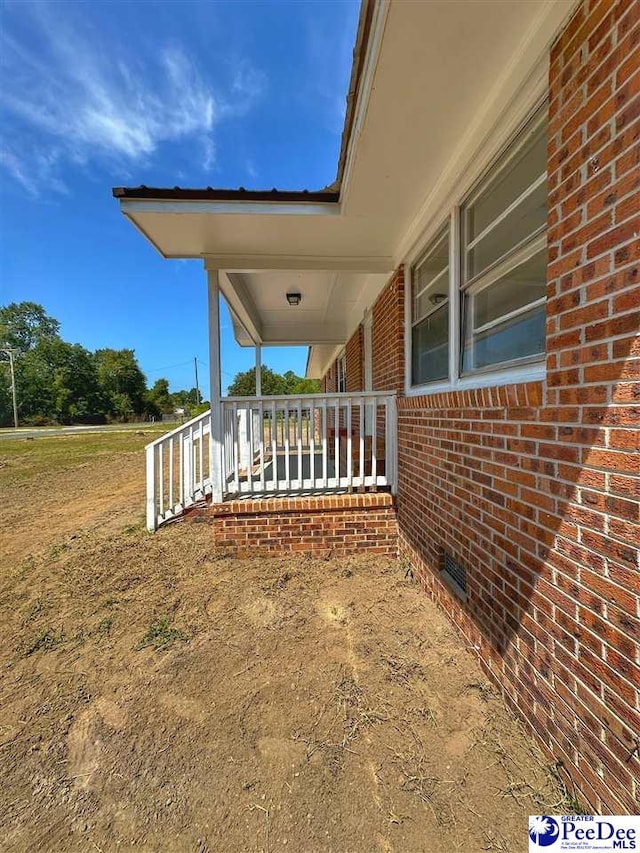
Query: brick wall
[(334, 525), (354, 354), (388, 336), (534, 488), (330, 380)]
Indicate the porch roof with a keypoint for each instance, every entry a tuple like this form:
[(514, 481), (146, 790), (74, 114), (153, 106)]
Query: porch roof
[(430, 81)]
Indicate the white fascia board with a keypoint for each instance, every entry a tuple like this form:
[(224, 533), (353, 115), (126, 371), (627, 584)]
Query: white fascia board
[(321, 263), (502, 112), (380, 14), (132, 206)]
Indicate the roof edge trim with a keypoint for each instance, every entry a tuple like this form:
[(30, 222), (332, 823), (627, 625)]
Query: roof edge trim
[(211, 194)]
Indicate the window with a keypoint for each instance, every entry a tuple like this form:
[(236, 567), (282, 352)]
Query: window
[(342, 374), (430, 313), (497, 280), (503, 264)]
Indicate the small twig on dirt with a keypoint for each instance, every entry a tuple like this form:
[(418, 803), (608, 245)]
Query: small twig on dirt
[(253, 806), (242, 671)]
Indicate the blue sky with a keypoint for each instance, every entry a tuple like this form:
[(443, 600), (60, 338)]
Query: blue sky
[(95, 95)]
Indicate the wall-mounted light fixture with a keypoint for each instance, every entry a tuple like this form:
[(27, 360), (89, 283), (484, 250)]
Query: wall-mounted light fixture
[(294, 298)]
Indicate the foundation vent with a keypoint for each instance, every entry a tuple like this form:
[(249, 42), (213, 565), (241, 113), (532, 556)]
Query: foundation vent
[(455, 576)]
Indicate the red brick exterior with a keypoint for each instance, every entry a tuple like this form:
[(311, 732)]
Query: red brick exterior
[(388, 336), (534, 488), (354, 357), (330, 380), (333, 525)]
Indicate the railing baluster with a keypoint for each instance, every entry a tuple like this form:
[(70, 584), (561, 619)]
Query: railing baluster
[(312, 445), (261, 440), (299, 436), (287, 448), (374, 439), (251, 447), (201, 458), (192, 465), (181, 463), (349, 445), (274, 447), (336, 440), (236, 449), (323, 437), (160, 480), (171, 503), (361, 427)]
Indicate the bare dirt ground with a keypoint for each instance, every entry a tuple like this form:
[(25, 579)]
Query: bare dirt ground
[(160, 694)]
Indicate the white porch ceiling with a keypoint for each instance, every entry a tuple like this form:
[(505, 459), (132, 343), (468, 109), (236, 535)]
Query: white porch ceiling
[(332, 303), (437, 78)]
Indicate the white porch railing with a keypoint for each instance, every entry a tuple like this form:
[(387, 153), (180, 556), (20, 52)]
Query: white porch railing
[(283, 445), (178, 470)]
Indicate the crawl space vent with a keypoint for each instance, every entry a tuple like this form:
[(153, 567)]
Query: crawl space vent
[(455, 575)]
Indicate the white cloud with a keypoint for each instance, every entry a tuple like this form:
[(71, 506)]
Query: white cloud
[(71, 92)]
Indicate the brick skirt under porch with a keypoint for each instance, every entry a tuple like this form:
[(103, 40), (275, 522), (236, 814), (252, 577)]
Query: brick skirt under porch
[(325, 525)]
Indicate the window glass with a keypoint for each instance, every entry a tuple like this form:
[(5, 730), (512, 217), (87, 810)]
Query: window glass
[(430, 279), (505, 321), (430, 347), (522, 222), (505, 184), (430, 312)]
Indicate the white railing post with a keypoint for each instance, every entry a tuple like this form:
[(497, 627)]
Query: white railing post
[(216, 421), (390, 444), (152, 517), (215, 452)]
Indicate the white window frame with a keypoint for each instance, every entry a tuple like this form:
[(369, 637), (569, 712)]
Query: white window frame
[(510, 374)]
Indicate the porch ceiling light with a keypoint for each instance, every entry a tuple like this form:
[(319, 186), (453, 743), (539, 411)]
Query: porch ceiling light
[(294, 298)]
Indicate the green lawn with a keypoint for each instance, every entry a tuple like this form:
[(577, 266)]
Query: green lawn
[(26, 458)]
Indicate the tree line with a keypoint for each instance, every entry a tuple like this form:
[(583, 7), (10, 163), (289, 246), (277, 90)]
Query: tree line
[(60, 382)]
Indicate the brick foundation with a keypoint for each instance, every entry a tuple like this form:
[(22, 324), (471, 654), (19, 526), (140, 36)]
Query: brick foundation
[(325, 525)]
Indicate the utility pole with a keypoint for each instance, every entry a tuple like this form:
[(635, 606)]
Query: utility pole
[(198, 397), (10, 352)]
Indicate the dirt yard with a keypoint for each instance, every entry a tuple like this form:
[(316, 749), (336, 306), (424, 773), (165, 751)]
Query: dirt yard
[(159, 694)]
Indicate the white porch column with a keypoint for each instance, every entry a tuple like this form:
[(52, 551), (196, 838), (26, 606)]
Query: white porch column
[(258, 370), (215, 391)]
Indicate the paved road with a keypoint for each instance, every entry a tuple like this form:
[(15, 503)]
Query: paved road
[(43, 432)]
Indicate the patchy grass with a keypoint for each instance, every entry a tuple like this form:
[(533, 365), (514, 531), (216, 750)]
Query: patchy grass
[(160, 636), (24, 459), (297, 704), (43, 641)]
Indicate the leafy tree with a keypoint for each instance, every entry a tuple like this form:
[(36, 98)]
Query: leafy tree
[(24, 324), (186, 399), (159, 397), (58, 381), (273, 384), (120, 377)]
